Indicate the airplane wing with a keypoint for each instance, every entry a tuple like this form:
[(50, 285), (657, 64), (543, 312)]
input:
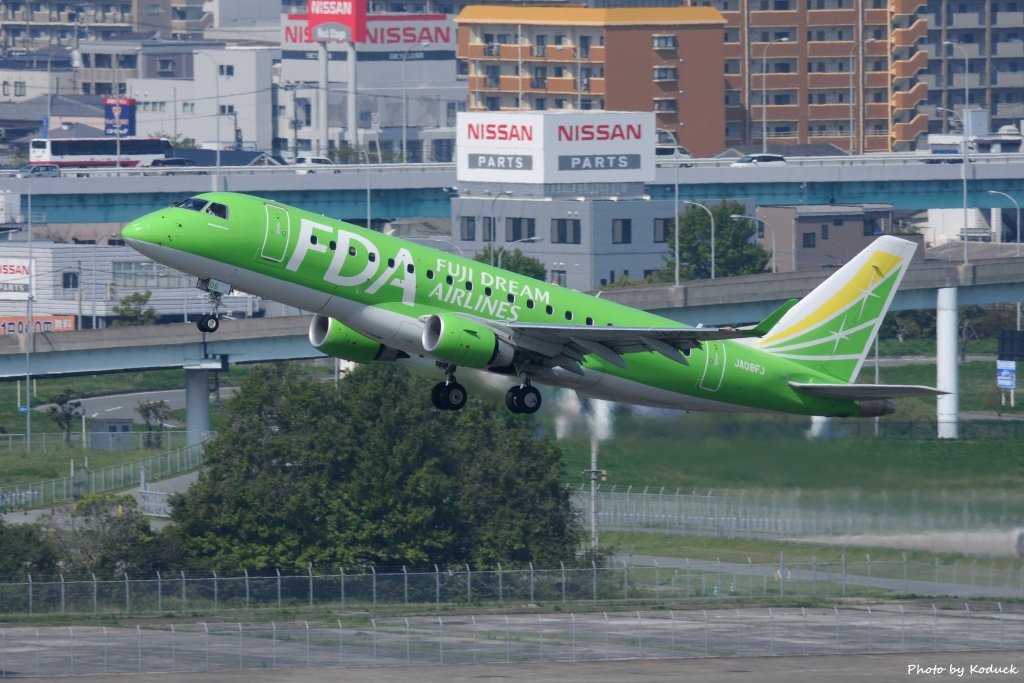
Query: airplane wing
[(864, 392), (561, 345)]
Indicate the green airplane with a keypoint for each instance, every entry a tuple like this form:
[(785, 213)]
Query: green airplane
[(376, 298)]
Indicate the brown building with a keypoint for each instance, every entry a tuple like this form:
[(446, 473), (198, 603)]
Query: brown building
[(668, 60), (833, 71)]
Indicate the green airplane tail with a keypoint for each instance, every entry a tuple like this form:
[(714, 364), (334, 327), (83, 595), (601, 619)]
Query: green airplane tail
[(831, 329)]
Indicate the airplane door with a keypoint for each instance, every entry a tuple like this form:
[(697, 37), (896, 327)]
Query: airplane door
[(275, 242), (714, 366)]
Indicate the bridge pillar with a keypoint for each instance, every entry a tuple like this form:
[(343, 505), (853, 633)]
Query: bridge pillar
[(197, 405), (946, 336)]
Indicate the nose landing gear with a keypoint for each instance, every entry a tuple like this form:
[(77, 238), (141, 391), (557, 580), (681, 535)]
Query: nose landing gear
[(449, 394)]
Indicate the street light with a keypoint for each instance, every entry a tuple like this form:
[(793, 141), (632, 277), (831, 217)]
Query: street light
[(216, 97), (764, 93), (963, 169), (712, 217), (501, 252), (405, 98), (967, 68), (443, 240), (366, 155), (738, 216), (1017, 207), (494, 220)]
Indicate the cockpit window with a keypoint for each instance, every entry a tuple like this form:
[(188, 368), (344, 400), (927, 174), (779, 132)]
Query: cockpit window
[(192, 204), (218, 210)]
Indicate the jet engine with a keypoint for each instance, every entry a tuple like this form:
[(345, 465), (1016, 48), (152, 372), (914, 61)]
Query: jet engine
[(464, 342), (338, 340)]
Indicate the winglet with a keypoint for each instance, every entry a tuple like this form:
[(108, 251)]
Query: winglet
[(768, 323)]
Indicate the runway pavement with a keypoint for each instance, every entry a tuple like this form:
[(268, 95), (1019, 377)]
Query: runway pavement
[(990, 666)]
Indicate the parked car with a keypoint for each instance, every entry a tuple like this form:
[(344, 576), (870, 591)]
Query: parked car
[(38, 171), (315, 164), (758, 160)]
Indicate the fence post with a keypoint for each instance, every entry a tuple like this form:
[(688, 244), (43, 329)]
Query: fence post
[(63, 604), (273, 645), (71, 648), (309, 568), (469, 585), (408, 641), (278, 572), (837, 627), (95, 595), (206, 643), (30, 595), (437, 586), (405, 585), (373, 572), (240, 644), (705, 632), (903, 629), (842, 561), (138, 647), (607, 646), (540, 638), (640, 638), (183, 596), (625, 580), (771, 631), (341, 644), (307, 643), (1002, 641), (106, 650), (871, 635), (501, 596), (935, 628), (246, 573), (572, 615), (532, 579), (967, 609), (440, 640), (174, 649), (127, 595), (216, 598), (803, 613), (508, 652), (562, 564), (906, 577), (159, 592), (593, 568)]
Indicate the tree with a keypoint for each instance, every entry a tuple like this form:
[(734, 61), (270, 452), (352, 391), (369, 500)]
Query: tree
[(306, 472), (735, 251), (177, 141), (514, 260), (154, 414), (64, 412), (132, 311), (27, 551), (106, 535)]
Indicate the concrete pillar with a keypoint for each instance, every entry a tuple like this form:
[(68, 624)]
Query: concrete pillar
[(197, 406), (321, 103), (351, 109), (947, 334)]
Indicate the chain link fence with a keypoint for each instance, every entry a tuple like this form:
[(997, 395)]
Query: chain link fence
[(420, 640)]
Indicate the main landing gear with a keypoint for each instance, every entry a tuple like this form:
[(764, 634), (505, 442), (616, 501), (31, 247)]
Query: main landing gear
[(523, 398), (450, 395)]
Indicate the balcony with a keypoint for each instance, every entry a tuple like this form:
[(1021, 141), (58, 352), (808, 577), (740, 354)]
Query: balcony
[(909, 68), (908, 37), (1009, 49), (909, 99), (967, 20), (1009, 80)]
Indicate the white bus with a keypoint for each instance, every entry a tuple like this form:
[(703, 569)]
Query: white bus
[(99, 152)]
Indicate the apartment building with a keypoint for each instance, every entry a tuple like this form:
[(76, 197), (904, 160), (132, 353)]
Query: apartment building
[(36, 24), (624, 59)]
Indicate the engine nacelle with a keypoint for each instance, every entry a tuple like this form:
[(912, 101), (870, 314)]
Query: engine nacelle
[(877, 408), (464, 342), (338, 340)]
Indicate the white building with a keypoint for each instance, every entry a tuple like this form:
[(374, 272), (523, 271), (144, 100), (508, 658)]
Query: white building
[(229, 98)]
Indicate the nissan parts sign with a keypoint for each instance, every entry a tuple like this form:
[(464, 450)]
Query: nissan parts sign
[(556, 147)]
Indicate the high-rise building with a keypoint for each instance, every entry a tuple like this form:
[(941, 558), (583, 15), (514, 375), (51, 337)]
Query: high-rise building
[(627, 59)]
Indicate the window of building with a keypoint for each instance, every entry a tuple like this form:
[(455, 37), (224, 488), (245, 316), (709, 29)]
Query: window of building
[(467, 228), (824, 232), (19, 88), (492, 76), (565, 231), (664, 42), (487, 229), (809, 240), (664, 73), (663, 228), (519, 228), (227, 109), (147, 274), (226, 69), (622, 231), (558, 277), (664, 104), (70, 280), (7, 88)]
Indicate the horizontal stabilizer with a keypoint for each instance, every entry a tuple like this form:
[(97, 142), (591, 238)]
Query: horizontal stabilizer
[(864, 392), (763, 327)]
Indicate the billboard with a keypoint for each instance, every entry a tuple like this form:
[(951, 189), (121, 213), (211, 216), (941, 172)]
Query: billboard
[(13, 324), (556, 147), (119, 116), (382, 33), (15, 276), (337, 21)]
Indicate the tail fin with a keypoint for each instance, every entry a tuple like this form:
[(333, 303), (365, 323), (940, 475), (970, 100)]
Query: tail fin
[(832, 328)]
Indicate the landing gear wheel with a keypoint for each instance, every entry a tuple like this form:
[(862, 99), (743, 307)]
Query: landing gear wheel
[(208, 323), (448, 396), (454, 394), (523, 399)]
